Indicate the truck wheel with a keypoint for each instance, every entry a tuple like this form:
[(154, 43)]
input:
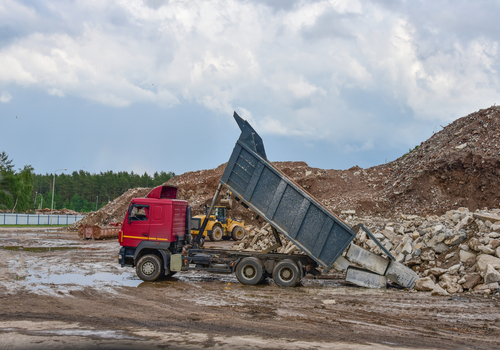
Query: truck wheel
[(217, 233), (250, 271), (149, 268), (238, 233), (286, 273)]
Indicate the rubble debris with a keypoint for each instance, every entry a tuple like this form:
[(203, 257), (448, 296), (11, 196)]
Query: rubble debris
[(113, 212), (427, 245)]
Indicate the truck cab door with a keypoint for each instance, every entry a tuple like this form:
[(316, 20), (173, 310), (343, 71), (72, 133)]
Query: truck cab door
[(137, 224)]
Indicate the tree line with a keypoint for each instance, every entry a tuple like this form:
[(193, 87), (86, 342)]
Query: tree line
[(23, 190)]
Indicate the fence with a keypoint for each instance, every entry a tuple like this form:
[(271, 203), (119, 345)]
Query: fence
[(38, 219)]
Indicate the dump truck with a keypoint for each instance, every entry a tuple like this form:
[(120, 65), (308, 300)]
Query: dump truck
[(220, 225), (159, 242)]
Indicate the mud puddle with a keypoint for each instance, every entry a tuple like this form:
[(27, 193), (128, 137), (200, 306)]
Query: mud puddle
[(37, 249), (97, 279)]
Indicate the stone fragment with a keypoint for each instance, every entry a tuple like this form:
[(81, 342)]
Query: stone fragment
[(498, 252), (425, 284), (473, 243), (487, 217), (436, 271), (417, 252), (428, 255), (471, 281), (466, 255), (341, 264), (406, 248), (495, 243), (441, 248), (495, 228), (401, 275), (449, 283), (439, 291), (491, 275), (456, 238), (413, 261), (484, 260), (494, 235), (493, 286), (485, 249)]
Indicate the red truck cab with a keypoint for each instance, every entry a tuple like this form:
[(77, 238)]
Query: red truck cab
[(154, 227)]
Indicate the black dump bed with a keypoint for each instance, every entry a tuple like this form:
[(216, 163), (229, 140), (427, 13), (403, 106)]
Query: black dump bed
[(281, 202)]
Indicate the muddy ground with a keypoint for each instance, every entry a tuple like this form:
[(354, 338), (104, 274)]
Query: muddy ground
[(59, 292)]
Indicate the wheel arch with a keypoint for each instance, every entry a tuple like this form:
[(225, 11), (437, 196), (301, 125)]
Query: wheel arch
[(160, 250)]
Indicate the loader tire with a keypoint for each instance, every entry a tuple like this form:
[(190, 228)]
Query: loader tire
[(149, 268), (217, 233), (238, 233), (250, 271), (286, 273)]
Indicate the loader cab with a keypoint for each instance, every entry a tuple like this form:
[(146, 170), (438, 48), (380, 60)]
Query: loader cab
[(219, 213)]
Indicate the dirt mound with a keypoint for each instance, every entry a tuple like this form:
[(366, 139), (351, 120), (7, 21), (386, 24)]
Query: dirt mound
[(457, 167), (113, 212)]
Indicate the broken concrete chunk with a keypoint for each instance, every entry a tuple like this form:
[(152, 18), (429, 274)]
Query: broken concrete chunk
[(366, 259), (364, 278), (484, 260), (425, 284), (471, 281), (439, 291), (491, 275), (487, 217), (466, 255), (401, 275), (456, 238), (341, 264)]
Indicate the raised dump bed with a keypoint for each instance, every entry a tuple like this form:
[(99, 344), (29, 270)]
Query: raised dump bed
[(281, 202)]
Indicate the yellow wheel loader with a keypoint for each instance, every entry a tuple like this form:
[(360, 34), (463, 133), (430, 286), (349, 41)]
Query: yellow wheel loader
[(220, 226)]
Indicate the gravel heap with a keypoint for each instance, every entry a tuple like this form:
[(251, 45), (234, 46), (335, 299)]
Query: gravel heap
[(259, 239), (113, 212)]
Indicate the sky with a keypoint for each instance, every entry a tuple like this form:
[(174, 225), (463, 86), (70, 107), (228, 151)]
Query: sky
[(151, 85)]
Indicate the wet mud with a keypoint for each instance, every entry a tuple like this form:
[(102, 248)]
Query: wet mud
[(57, 291)]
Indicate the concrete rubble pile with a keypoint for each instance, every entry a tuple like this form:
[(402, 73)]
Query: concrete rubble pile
[(113, 212), (453, 253), (260, 239)]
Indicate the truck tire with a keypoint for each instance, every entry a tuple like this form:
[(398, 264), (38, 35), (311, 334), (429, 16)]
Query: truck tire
[(250, 271), (149, 268), (238, 233), (217, 233), (286, 273)]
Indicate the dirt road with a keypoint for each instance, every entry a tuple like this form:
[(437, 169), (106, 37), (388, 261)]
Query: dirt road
[(60, 292)]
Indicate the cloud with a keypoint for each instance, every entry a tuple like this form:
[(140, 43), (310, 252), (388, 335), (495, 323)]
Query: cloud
[(5, 97), (312, 69)]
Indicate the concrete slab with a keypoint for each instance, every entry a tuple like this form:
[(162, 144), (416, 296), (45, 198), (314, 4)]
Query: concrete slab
[(364, 278), (341, 264), (401, 275), (366, 259)]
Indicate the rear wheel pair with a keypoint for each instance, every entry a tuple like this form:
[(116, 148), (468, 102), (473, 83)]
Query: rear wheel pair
[(251, 271)]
